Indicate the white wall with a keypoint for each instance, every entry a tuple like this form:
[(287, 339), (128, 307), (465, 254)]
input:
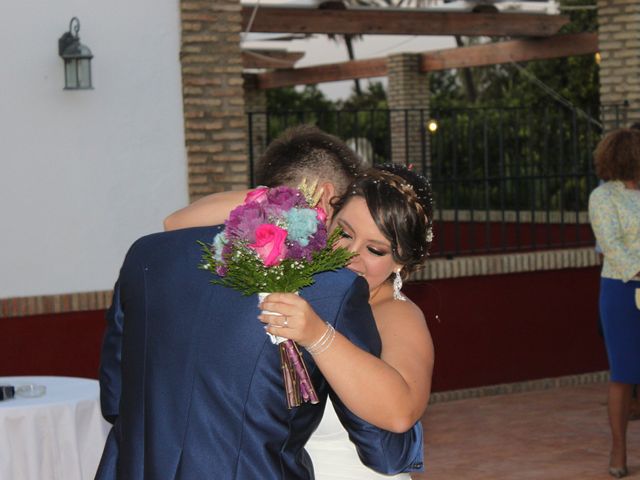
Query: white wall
[(84, 173)]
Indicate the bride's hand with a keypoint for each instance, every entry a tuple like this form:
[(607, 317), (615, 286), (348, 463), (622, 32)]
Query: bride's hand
[(297, 320)]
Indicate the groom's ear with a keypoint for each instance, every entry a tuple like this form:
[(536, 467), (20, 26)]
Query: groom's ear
[(328, 193)]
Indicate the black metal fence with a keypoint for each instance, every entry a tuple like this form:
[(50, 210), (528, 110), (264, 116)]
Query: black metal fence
[(504, 179)]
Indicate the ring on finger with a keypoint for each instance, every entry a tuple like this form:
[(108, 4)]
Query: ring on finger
[(286, 322)]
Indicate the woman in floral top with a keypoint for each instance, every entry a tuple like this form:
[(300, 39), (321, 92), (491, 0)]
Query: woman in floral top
[(614, 211)]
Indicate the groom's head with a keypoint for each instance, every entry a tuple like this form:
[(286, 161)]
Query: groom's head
[(306, 152)]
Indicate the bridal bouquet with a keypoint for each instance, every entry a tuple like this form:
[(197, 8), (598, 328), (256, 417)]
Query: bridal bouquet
[(275, 242)]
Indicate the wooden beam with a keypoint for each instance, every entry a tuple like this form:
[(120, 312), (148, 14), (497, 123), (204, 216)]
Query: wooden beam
[(400, 21), (473, 56), (270, 58), (373, 67), (510, 51)]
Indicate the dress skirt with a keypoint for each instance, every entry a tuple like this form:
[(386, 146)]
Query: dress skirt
[(333, 455), (620, 315)]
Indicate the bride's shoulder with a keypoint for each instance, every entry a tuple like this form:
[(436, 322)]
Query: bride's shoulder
[(398, 310)]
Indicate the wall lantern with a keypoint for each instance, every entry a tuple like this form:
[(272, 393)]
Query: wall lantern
[(77, 59), (432, 126)]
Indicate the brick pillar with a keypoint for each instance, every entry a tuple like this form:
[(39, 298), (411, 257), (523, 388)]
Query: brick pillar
[(619, 44), (408, 100), (215, 122), (255, 104)]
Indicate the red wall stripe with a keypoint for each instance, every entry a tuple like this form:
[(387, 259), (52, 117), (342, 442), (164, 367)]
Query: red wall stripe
[(510, 328)]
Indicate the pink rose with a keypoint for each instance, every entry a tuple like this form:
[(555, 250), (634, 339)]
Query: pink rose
[(321, 215), (269, 244), (256, 195)]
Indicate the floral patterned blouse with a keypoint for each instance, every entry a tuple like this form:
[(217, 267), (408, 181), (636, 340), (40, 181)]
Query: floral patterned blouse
[(614, 212)]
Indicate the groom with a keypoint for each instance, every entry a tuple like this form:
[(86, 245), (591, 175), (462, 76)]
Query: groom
[(188, 377)]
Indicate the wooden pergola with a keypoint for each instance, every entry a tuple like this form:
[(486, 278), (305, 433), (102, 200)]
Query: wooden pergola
[(399, 21), (538, 31)]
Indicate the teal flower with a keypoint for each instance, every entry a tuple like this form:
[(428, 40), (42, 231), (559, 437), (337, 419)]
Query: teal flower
[(302, 224)]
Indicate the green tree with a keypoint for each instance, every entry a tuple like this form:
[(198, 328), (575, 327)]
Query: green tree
[(293, 99), (366, 115), (572, 78), (291, 106)]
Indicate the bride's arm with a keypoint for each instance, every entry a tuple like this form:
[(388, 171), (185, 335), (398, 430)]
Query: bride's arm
[(390, 392), (213, 209)]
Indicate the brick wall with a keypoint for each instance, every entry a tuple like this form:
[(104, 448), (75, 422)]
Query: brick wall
[(215, 123), (408, 98), (54, 304), (619, 44)]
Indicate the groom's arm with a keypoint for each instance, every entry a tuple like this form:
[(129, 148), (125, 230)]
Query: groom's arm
[(110, 375), (383, 451), (110, 359)]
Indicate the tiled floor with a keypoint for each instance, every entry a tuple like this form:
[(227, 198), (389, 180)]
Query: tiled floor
[(555, 434)]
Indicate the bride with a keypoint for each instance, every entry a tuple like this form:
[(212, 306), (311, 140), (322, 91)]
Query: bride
[(386, 219)]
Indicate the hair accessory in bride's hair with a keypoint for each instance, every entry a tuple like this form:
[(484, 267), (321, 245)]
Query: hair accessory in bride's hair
[(418, 196)]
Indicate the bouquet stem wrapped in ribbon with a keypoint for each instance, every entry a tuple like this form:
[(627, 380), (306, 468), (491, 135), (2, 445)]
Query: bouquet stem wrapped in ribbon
[(275, 242), (298, 385)]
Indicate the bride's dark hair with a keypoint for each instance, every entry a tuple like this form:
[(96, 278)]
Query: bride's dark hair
[(401, 204)]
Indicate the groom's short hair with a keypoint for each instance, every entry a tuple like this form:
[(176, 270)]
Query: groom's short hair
[(305, 151)]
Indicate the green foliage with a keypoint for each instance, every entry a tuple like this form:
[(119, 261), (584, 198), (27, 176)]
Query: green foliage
[(289, 106), (309, 98), (574, 78), (360, 116), (513, 158), (374, 98)]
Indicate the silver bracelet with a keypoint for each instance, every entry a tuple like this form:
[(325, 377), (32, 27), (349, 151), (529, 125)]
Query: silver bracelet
[(324, 342), (322, 337)]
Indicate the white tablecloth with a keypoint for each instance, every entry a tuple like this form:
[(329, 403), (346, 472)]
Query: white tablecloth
[(59, 436)]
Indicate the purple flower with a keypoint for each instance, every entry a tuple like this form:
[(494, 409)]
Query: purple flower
[(221, 271), (244, 220), (316, 243), (298, 252), (319, 240), (227, 249), (285, 198)]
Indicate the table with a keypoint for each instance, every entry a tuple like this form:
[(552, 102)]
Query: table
[(59, 436)]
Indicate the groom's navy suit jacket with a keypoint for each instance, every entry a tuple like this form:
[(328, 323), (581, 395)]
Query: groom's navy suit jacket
[(193, 385)]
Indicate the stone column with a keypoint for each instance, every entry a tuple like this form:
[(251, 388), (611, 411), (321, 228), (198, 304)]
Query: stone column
[(408, 100), (619, 44), (255, 104), (213, 97)]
